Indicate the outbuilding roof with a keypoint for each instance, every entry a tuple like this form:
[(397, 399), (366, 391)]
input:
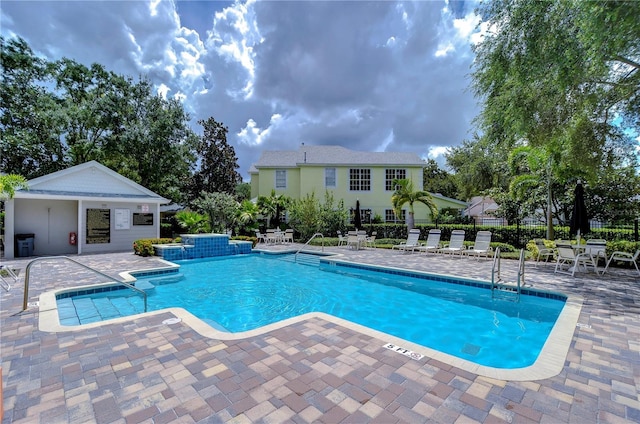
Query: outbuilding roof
[(88, 180)]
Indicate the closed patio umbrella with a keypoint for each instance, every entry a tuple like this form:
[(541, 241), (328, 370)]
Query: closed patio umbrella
[(579, 223), (357, 221)]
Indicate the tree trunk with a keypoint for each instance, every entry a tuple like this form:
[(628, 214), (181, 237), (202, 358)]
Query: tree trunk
[(410, 221), (550, 232)]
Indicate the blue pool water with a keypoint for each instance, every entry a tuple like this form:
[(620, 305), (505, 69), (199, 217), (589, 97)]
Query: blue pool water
[(246, 292)]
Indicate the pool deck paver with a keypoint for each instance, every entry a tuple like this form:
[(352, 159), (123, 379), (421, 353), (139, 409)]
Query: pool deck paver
[(144, 370)]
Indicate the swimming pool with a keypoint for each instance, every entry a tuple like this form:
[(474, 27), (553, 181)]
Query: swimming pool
[(241, 293)]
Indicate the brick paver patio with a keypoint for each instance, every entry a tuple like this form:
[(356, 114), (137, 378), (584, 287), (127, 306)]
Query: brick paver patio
[(147, 370)]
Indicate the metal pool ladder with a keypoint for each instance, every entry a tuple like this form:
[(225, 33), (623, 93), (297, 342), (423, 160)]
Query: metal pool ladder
[(28, 270), (309, 241), (499, 286)]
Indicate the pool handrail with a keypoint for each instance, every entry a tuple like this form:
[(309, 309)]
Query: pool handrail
[(10, 274), (28, 270), (309, 241), (496, 280)]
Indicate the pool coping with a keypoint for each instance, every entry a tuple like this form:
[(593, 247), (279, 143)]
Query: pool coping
[(549, 363)]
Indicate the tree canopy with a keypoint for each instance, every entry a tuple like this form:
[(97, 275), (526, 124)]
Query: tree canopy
[(218, 162), (559, 83), (560, 74), (58, 114)]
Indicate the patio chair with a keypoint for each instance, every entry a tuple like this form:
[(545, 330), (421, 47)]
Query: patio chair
[(342, 240), (433, 242), (568, 256), (624, 257), (412, 242), (370, 241), (482, 245), (261, 237), (455, 244), (597, 248), (274, 236), (353, 241), (288, 236), (544, 251)]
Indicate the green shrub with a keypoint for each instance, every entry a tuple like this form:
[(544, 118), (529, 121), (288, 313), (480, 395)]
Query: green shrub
[(622, 246), (144, 247)]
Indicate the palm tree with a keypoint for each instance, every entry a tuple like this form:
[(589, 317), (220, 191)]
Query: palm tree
[(9, 183), (405, 194), (273, 206), (193, 222), (248, 215)]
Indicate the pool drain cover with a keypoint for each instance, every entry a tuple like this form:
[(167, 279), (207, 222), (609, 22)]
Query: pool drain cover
[(470, 349), (171, 321)]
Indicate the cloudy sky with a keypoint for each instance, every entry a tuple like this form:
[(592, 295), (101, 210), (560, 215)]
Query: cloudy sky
[(370, 76)]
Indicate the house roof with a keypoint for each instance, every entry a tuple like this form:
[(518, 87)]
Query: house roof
[(333, 155), (460, 203), (89, 180), (480, 206)]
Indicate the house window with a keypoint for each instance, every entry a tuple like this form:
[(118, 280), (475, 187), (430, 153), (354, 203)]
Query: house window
[(330, 177), (389, 216), (359, 179), (281, 178), (393, 174)]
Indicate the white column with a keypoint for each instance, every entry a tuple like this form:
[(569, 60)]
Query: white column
[(81, 223), (9, 229)]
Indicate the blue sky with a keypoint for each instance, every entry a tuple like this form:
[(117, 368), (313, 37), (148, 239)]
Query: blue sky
[(370, 76)]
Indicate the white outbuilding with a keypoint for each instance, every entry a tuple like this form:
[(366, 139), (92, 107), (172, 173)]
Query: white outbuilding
[(87, 208)]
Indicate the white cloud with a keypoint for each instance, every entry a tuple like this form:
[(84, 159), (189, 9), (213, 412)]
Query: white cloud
[(365, 75), (251, 135)]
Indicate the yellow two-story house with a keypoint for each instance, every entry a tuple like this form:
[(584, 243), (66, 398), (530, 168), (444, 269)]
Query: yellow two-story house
[(349, 175)]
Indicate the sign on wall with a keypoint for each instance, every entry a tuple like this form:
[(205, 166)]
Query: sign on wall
[(142, 219), (123, 220), (98, 226)]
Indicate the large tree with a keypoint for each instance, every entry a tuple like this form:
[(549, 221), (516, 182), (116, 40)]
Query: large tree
[(218, 161), (559, 74), (436, 180), (29, 122), (58, 114), (478, 166)]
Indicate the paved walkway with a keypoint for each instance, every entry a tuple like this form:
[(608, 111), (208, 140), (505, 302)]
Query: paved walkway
[(146, 370)]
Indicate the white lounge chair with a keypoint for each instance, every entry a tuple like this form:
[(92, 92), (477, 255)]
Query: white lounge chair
[(455, 245), (568, 256), (482, 245), (624, 257), (433, 242), (412, 242)]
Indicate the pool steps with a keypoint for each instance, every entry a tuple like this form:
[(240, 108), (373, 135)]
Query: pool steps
[(85, 310), (302, 259)]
